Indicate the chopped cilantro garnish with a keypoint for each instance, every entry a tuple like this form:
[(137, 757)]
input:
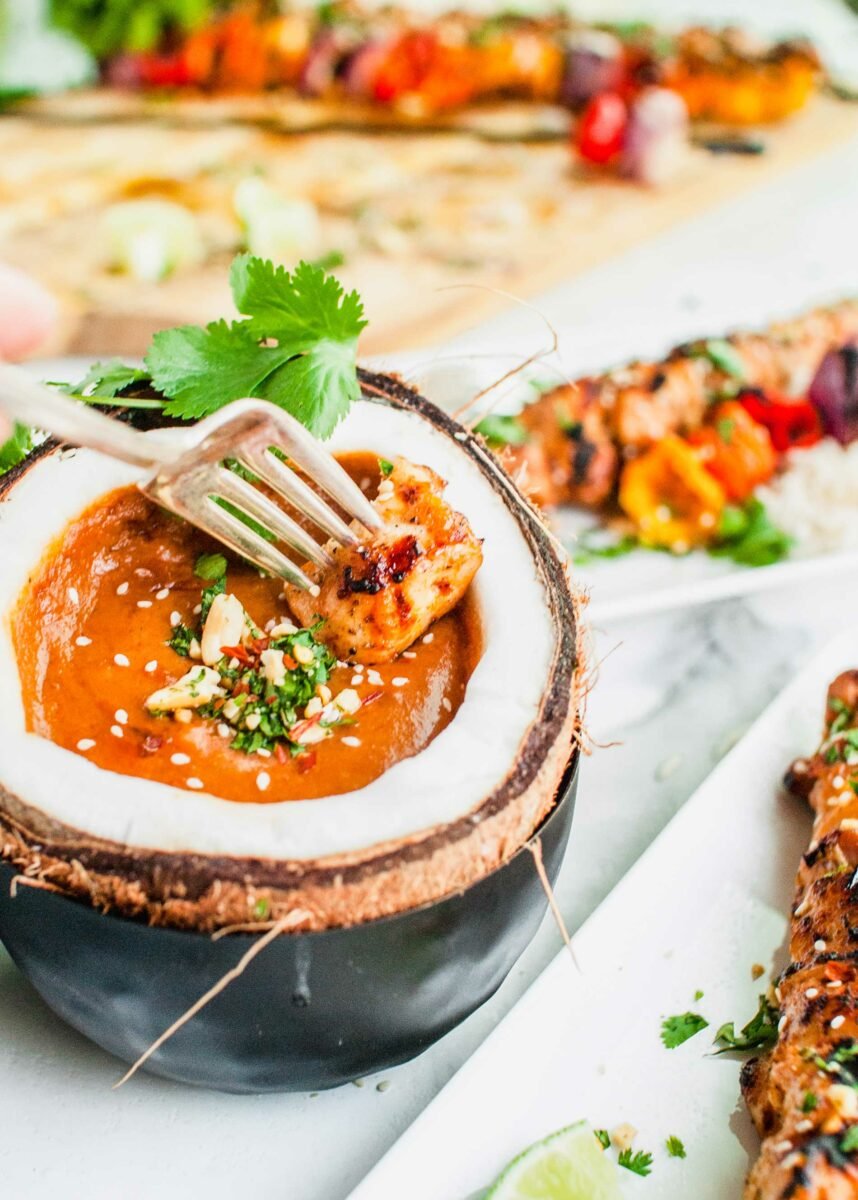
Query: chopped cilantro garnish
[(502, 431), (16, 448), (698, 995), (761, 1031), (210, 567), (675, 1148), (592, 544), (849, 1141), (722, 355), (746, 535), (385, 467), (217, 588), (725, 428), (261, 908), (810, 1102), (640, 1162), (295, 346), (676, 1030), (603, 1137), (180, 640)]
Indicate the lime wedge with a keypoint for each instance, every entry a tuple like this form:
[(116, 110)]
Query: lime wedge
[(567, 1165)]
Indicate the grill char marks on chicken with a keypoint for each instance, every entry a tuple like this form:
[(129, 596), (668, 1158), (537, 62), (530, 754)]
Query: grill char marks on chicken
[(381, 595), (803, 1095)]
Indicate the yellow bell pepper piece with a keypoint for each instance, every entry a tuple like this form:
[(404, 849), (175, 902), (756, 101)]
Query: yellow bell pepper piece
[(671, 497)]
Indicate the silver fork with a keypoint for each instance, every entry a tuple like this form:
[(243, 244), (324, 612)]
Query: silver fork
[(185, 471)]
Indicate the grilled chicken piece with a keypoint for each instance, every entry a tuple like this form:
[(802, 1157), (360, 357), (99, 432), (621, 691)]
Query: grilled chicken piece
[(586, 429), (582, 460), (379, 597), (803, 1096)]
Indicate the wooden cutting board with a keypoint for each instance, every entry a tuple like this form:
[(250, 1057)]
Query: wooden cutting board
[(490, 218)]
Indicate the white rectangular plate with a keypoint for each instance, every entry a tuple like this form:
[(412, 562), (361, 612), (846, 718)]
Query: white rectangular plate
[(706, 902)]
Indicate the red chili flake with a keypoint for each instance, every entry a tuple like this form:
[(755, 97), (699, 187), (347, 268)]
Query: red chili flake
[(240, 688), (218, 703), (151, 744), (280, 752), (371, 698), (290, 663), (257, 645), (306, 762), (239, 652), (272, 699)]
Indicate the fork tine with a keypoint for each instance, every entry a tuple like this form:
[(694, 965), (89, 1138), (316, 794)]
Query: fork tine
[(248, 544), (255, 504), (323, 468), (288, 484)]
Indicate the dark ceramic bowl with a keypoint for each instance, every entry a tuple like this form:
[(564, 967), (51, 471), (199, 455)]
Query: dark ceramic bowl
[(314, 1009)]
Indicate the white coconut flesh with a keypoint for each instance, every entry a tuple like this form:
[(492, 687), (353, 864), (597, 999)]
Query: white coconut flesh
[(446, 781)]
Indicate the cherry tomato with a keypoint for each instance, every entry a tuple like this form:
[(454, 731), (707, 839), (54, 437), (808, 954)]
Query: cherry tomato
[(600, 132)]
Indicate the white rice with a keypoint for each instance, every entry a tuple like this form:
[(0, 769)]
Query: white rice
[(815, 500)]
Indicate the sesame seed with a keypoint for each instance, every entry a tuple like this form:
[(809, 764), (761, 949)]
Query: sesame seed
[(198, 608), (194, 783), (374, 678), (262, 752), (74, 596), (122, 589), (837, 1021), (144, 603), (782, 1024), (122, 660), (429, 639), (812, 993), (835, 983), (838, 782), (263, 779), (447, 704), (356, 680), (180, 760), (804, 1126), (116, 730), (175, 618), (223, 730), (151, 666), (819, 944), (83, 641), (351, 741), (783, 1147), (121, 716), (183, 715), (408, 654), (399, 681), (85, 744), (162, 594)]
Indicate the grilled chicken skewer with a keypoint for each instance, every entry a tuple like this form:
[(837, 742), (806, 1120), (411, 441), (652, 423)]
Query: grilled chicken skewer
[(803, 1095), (580, 434)]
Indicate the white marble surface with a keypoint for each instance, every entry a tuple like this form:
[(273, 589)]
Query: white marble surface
[(674, 692)]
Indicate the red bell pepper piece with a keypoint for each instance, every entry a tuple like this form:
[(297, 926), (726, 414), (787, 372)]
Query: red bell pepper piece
[(790, 422)]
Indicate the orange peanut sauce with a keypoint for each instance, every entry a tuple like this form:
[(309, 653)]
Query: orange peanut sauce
[(96, 616)]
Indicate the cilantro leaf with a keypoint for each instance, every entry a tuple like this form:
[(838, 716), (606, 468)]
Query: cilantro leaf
[(502, 431), (603, 1138), (723, 356), (295, 346), (810, 1102), (849, 1142), (214, 589), (16, 448), (201, 370), (676, 1030), (747, 535), (107, 379), (675, 1148), (385, 467), (640, 1162), (760, 1032), (210, 567), (180, 640)]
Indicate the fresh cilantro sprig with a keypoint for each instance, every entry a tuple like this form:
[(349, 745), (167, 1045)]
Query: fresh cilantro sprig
[(639, 1162), (747, 535), (678, 1029), (296, 345), (759, 1033), (675, 1147), (16, 448), (603, 1138), (501, 430)]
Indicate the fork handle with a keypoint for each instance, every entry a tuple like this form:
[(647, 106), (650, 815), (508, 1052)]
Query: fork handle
[(25, 400)]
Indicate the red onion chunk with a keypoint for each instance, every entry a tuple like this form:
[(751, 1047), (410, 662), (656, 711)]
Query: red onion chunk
[(656, 136), (594, 64), (834, 392)]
